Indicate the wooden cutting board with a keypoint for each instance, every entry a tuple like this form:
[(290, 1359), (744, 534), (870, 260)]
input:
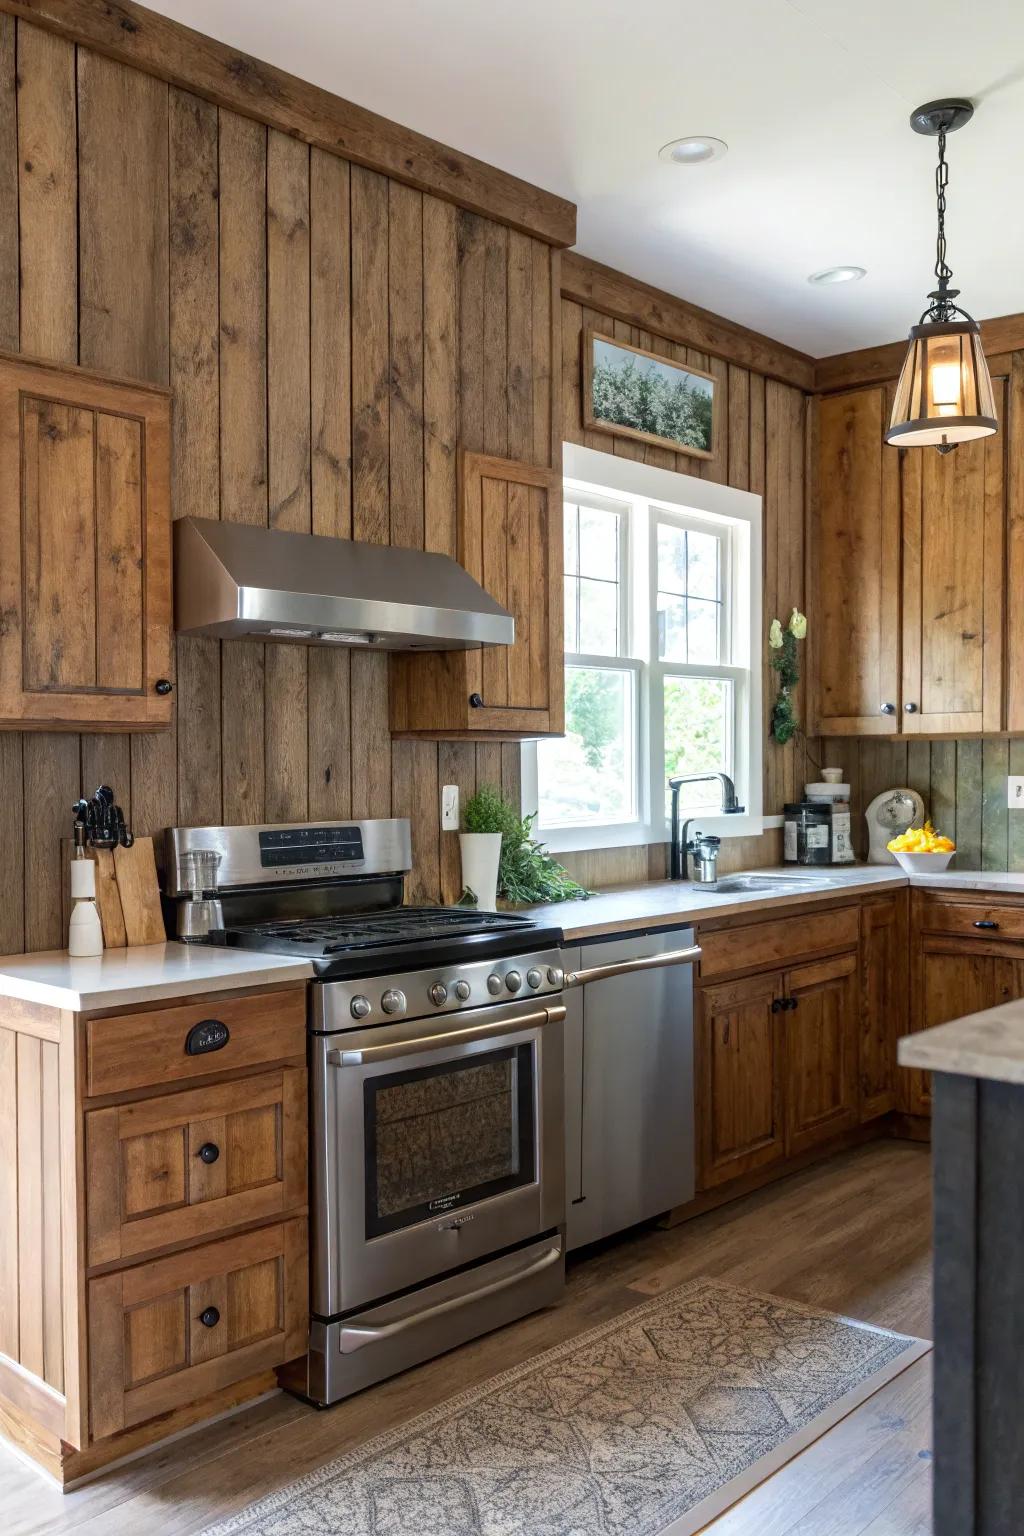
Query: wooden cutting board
[(139, 890)]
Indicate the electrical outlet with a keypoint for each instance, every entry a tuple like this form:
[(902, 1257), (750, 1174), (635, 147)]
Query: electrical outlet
[(450, 808), (1015, 791)]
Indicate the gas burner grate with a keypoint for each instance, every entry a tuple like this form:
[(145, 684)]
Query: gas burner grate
[(404, 925)]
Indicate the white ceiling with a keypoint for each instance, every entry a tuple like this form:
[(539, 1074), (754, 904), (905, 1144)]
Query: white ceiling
[(812, 97)]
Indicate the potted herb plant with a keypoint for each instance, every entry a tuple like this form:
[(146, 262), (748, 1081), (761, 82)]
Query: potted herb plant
[(496, 838)]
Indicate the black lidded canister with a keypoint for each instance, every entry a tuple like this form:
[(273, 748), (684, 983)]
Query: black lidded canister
[(806, 832)]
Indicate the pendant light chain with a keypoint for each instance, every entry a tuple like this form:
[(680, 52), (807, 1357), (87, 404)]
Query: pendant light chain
[(942, 270)]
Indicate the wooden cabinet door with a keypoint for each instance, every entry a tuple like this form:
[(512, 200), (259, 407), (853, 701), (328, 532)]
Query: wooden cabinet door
[(170, 1332), (884, 999), (952, 978), (85, 580), (855, 554), (190, 1165), (821, 1010), (739, 1078), (509, 539), (954, 511)]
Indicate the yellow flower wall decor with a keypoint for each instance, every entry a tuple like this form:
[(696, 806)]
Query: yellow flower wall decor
[(785, 661)]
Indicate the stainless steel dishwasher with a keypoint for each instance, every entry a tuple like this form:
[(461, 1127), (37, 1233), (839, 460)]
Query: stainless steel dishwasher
[(628, 1084)]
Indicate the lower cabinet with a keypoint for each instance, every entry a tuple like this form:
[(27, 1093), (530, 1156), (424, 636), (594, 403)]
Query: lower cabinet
[(820, 1047), (169, 1332), (739, 1077), (966, 956), (884, 999), (776, 1065)]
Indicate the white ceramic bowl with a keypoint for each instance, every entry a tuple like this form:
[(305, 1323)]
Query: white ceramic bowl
[(923, 863)]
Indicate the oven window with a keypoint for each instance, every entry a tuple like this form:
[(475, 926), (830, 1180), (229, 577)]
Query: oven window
[(440, 1137)]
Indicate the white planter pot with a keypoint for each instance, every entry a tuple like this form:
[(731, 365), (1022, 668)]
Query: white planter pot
[(481, 852)]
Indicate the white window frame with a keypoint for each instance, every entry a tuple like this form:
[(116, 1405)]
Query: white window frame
[(684, 500)]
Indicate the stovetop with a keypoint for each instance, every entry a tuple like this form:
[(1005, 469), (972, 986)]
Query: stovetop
[(352, 944)]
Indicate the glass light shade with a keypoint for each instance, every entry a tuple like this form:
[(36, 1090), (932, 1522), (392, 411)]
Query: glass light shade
[(944, 395)]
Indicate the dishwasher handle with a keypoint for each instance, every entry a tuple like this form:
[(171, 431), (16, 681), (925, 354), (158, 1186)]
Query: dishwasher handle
[(623, 967)]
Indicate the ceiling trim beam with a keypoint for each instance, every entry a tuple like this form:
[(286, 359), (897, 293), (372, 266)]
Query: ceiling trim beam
[(156, 45), (624, 298), (877, 365)]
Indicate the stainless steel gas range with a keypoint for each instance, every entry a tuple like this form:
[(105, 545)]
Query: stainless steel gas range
[(436, 1073)]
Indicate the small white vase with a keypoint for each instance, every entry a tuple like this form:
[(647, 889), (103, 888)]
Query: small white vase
[(481, 852)]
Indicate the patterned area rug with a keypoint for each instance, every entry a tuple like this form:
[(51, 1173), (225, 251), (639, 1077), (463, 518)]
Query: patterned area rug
[(650, 1424)]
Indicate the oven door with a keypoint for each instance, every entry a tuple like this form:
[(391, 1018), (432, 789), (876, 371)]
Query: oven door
[(435, 1143)]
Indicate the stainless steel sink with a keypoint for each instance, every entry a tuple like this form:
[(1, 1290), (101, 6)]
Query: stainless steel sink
[(769, 885)]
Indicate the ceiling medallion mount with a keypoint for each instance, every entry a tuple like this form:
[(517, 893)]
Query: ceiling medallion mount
[(944, 395)]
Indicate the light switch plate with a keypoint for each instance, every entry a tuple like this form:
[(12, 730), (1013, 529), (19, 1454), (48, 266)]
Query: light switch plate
[(1015, 791), (450, 808)]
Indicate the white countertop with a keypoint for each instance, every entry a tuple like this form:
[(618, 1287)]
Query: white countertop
[(988, 1045), (146, 973), (671, 903), (143, 973)]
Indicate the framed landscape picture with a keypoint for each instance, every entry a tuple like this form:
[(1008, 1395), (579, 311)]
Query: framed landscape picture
[(649, 398)]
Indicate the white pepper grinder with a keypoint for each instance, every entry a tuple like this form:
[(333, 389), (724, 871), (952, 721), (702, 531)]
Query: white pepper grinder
[(85, 931)]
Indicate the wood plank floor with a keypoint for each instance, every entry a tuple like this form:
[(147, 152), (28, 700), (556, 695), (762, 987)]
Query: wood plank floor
[(851, 1235)]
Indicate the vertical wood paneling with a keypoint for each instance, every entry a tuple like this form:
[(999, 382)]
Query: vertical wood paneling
[(330, 338), (288, 445), (12, 919), (9, 163), (195, 379), (371, 518), (47, 195), (329, 742), (243, 436), (8, 1193)]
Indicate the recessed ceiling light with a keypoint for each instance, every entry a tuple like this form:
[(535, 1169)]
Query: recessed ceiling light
[(693, 150), (829, 275)]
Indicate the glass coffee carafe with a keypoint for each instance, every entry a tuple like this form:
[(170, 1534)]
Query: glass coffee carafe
[(201, 912)]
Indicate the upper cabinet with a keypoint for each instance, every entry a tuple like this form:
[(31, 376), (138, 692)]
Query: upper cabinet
[(907, 577), (510, 540), (853, 582), (85, 582)]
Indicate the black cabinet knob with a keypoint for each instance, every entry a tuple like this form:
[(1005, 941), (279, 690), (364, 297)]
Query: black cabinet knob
[(910, 709), (475, 701), (209, 1152), (887, 709), (163, 685), (209, 1317), (777, 1005), (986, 922)]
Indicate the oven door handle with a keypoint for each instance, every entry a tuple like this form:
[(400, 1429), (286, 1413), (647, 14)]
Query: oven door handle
[(392, 1048), (356, 1336), (624, 967)]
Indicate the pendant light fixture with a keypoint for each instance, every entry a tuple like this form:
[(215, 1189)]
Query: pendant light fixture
[(944, 395)]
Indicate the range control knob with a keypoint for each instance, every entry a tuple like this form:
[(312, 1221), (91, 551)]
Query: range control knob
[(555, 976), (534, 978), (494, 983), (359, 1007), (438, 994), (462, 990), (393, 1001), (513, 981)]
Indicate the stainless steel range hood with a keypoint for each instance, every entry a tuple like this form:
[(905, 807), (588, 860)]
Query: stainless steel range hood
[(238, 580)]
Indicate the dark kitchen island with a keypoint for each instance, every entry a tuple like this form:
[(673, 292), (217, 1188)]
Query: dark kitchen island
[(978, 1180)]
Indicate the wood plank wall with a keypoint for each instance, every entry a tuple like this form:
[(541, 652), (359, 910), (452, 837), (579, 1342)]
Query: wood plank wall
[(963, 784), (330, 336), (759, 446)]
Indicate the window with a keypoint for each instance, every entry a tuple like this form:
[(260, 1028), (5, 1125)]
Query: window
[(662, 620)]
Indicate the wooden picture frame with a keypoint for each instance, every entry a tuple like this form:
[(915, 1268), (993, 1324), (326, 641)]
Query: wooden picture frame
[(593, 422)]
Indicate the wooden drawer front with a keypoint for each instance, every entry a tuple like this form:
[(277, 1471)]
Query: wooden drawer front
[(778, 941), (974, 919), (143, 1050), (148, 1186), (149, 1349)]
